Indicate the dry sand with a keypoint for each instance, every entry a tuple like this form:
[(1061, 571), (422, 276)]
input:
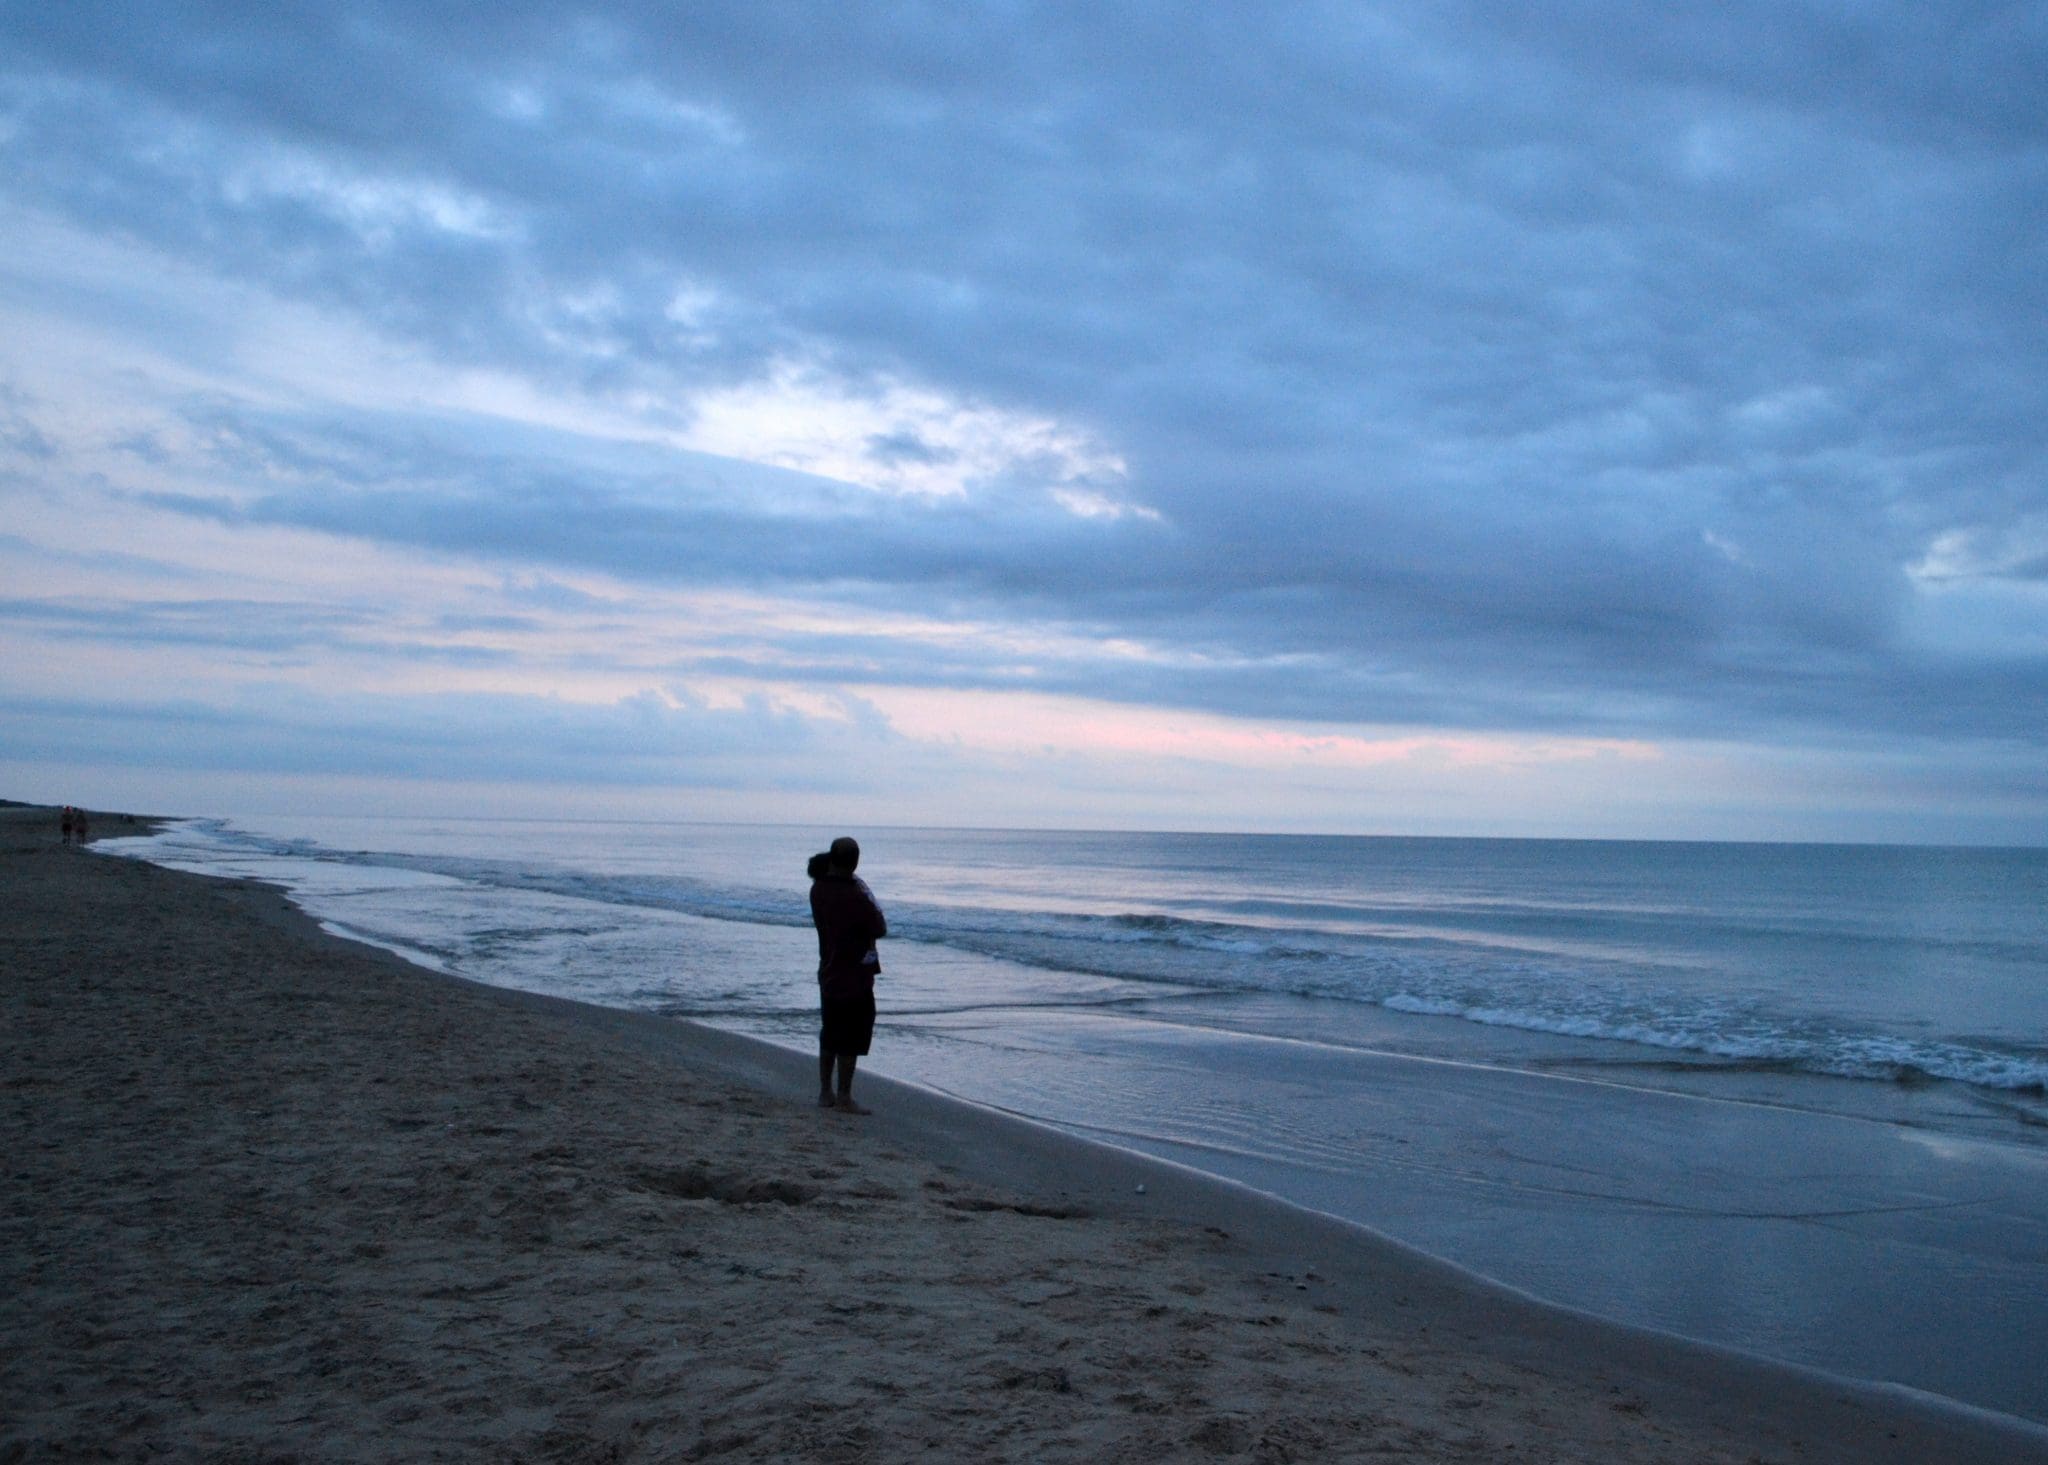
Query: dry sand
[(270, 1195)]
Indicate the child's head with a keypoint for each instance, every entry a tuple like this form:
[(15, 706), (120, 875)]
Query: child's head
[(820, 863)]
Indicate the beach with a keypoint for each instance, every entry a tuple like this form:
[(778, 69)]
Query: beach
[(272, 1194)]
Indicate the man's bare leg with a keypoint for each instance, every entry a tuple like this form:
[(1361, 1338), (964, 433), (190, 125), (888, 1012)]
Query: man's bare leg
[(846, 1063), (825, 1098)]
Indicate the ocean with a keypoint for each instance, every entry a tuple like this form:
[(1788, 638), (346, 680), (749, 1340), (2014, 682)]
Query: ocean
[(1771, 1096)]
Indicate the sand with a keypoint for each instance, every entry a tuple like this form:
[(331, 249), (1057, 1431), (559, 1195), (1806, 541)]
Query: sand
[(271, 1195)]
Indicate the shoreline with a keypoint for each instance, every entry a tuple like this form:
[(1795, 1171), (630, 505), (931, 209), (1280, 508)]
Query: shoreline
[(543, 1192)]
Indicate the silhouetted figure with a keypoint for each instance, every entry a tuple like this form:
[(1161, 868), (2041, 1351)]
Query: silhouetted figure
[(65, 822), (849, 924)]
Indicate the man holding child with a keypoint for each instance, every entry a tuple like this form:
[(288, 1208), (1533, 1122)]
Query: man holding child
[(849, 924)]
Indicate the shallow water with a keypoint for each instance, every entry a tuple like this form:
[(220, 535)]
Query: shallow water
[(1775, 1096)]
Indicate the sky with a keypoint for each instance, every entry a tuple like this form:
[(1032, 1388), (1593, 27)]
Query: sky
[(1566, 418)]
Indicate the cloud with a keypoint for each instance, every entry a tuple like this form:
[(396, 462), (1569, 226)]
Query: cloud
[(1385, 616), (668, 737), (1554, 369)]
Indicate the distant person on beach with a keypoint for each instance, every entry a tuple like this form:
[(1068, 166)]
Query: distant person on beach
[(64, 822), (849, 924)]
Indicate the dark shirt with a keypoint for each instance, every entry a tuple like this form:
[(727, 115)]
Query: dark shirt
[(849, 924)]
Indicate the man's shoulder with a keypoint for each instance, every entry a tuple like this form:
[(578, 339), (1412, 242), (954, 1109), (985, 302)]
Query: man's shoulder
[(834, 890)]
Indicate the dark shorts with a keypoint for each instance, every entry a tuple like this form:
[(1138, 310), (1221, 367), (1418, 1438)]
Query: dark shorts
[(849, 1023)]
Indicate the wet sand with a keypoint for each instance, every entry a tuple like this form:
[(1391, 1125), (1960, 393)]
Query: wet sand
[(274, 1195), (1744, 1212)]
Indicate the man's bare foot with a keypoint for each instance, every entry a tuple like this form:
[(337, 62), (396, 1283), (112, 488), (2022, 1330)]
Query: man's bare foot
[(827, 1100), (848, 1106)]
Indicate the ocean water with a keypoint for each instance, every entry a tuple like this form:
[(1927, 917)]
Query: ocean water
[(1774, 1092)]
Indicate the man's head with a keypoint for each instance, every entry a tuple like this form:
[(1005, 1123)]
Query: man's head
[(845, 855)]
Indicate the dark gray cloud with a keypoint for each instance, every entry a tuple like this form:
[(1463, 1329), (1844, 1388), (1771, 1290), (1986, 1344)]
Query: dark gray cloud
[(132, 566), (1520, 622), (676, 741), (20, 439), (275, 633), (1559, 366)]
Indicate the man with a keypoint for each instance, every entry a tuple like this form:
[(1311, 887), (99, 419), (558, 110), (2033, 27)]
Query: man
[(849, 924)]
